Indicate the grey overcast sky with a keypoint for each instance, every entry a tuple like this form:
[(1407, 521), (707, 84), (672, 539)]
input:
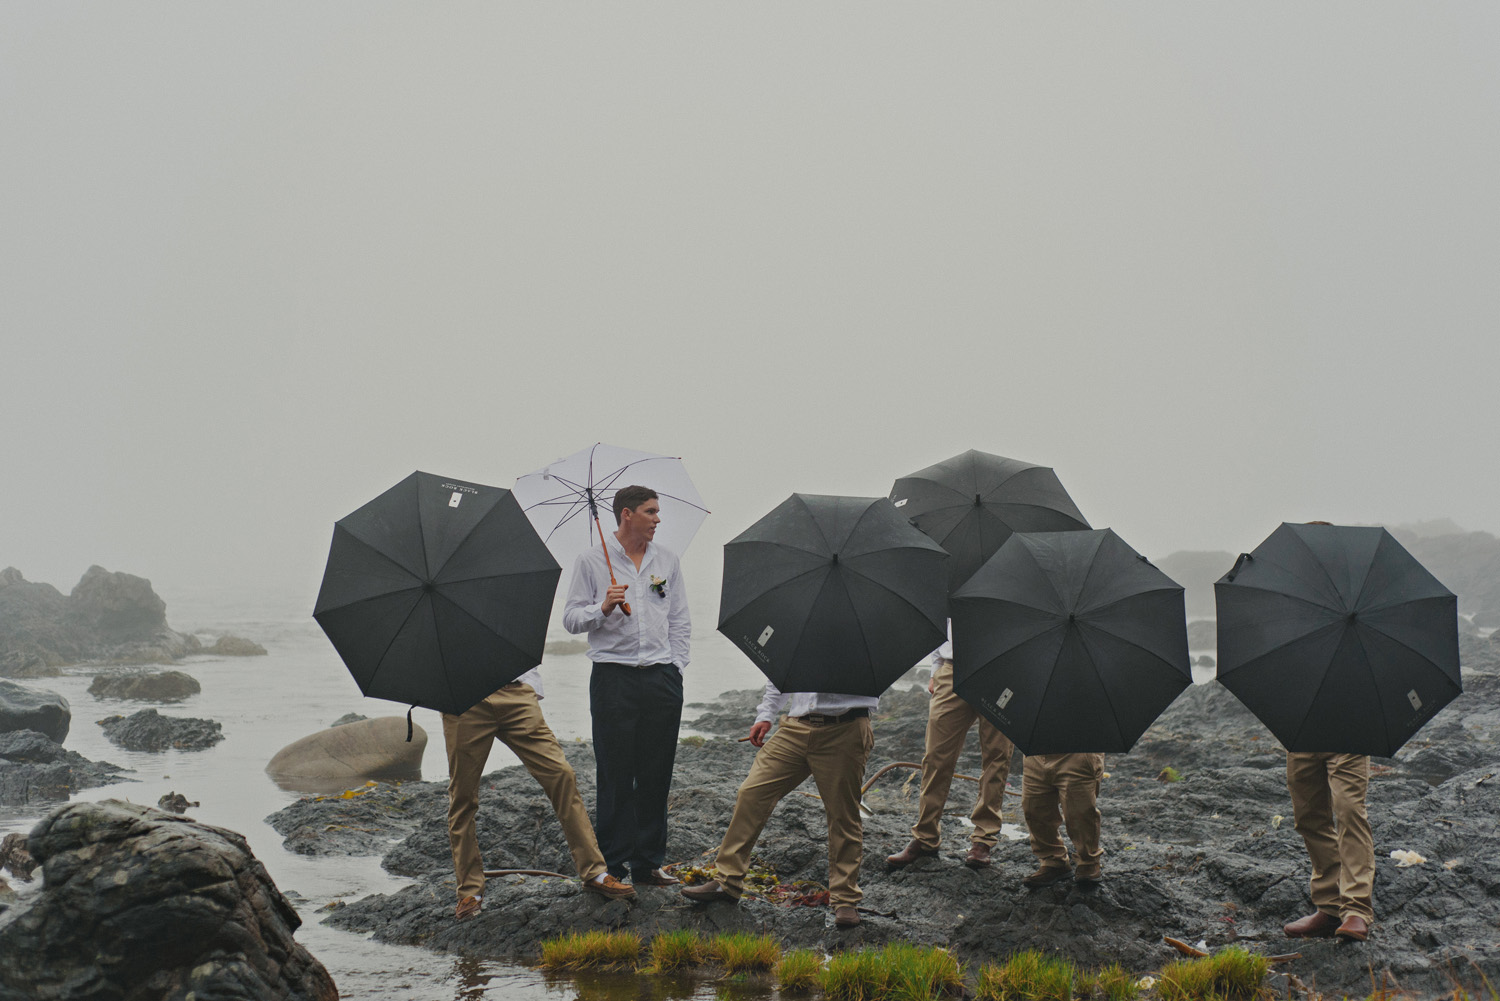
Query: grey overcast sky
[(1220, 265)]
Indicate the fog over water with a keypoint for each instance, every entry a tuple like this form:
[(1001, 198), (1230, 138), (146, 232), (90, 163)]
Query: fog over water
[(1219, 265)]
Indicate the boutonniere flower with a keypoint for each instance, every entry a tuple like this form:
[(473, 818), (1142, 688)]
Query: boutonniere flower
[(659, 585)]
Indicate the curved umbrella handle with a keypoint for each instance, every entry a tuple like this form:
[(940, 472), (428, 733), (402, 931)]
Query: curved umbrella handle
[(624, 605)]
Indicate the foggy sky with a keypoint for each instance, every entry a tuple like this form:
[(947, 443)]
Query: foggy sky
[(1218, 265)]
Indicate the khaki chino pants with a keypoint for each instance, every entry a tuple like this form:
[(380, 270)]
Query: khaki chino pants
[(514, 716), (1328, 804), (1062, 789), (835, 756), (948, 720)]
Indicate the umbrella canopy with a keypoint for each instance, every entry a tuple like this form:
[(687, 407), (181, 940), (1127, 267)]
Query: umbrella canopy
[(1070, 641), (437, 592), (833, 594), (564, 499), (970, 504), (1337, 639)]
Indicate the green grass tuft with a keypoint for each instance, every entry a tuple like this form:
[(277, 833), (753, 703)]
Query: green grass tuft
[(898, 972), (675, 950), (594, 950), (1027, 976), (740, 952), (798, 970), (1232, 973), (853, 976), (1117, 985)]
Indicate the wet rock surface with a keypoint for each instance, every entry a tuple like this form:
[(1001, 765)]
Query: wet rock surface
[(34, 769), (1211, 856), (151, 686), (139, 903), (25, 708), (149, 730), (349, 752)]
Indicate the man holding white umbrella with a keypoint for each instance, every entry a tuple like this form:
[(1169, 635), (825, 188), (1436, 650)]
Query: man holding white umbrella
[(640, 646)]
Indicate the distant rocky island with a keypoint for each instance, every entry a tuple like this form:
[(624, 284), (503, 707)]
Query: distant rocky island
[(108, 618)]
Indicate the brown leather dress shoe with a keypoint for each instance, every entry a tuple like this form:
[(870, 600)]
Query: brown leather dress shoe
[(1088, 873), (978, 857), (707, 892), (1315, 925), (906, 856), (467, 908), (1046, 875), (654, 877), (1354, 929), (845, 917), (609, 887)]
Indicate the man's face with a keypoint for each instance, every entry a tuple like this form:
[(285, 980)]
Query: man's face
[(642, 521)]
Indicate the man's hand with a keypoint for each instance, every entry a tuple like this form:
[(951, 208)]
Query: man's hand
[(931, 681), (758, 733), (613, 598)]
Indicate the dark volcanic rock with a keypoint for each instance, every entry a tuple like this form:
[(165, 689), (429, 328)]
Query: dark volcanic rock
[(138, 903), (235, 646), (35, 769), (1212, 855), (152, 686), (23, 708), (149, 730)]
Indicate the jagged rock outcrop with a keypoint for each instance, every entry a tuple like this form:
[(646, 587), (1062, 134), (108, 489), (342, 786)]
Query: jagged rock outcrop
[(151, 686), (23, 708), (34, 769), (149, 730), (109, 617), (138, 903)]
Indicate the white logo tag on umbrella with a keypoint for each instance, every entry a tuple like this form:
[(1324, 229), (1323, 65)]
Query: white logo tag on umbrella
[(453, 501), (765, 635), (901, 502), (1004, 698), (1414, 699)]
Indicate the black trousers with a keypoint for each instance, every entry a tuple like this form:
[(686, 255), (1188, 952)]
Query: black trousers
[(637, 712)]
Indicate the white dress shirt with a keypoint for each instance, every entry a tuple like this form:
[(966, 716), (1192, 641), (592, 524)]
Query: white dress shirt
[(533, 678), (802, 703), (944, 652), (658, 629)]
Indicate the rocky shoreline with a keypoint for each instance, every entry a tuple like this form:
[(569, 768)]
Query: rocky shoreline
[(1211, 857)]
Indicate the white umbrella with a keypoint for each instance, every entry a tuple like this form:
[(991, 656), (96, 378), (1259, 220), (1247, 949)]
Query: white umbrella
[(567, 499)]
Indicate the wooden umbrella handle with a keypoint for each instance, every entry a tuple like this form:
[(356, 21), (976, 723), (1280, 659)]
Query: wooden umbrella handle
[(624, 605)]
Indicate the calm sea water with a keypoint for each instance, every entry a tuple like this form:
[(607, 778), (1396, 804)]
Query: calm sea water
[(265, 703)]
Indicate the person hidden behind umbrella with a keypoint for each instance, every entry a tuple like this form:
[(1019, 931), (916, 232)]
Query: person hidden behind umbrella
[(825, 735), (1063, 789), (513, 714)]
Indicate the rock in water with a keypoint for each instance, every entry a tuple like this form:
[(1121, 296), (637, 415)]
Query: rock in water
[(23, 708), (236, 646), (365, 749), (35, 769), (137, 903), (149, 730), (154, 686)]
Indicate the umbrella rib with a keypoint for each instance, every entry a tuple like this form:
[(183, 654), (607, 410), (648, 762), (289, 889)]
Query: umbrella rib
[(1385, 718), (1132, 643), (1398, 642), (380, 662), (1283, 594), (487, 628), (1302, 723), (1319, 563), (1094, 667), (1279, 647), (886, 587)]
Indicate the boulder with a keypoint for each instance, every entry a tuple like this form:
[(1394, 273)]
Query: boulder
[(1205, 660), (340, 755), (236, 646), (35, 769), (138, 903), (149, 730), (152, 686), (1203, 634), (348, 718), (23, 708)]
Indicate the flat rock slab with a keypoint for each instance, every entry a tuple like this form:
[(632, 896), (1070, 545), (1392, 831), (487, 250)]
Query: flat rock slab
[(34, 769), (138, 903), (150, 686), (149, 730)]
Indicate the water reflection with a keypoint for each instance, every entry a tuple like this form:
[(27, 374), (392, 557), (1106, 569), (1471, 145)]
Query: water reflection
[(634, 987)]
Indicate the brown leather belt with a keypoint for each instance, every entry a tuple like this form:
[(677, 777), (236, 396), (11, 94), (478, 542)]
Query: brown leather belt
[(818, 719)]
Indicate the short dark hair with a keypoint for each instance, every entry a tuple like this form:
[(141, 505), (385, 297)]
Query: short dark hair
[(632, 497)]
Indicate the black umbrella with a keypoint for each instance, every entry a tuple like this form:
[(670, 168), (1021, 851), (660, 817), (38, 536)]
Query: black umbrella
[(1337, 639), (437, 592), (833, 594), (970, 504), (1070, 641)]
